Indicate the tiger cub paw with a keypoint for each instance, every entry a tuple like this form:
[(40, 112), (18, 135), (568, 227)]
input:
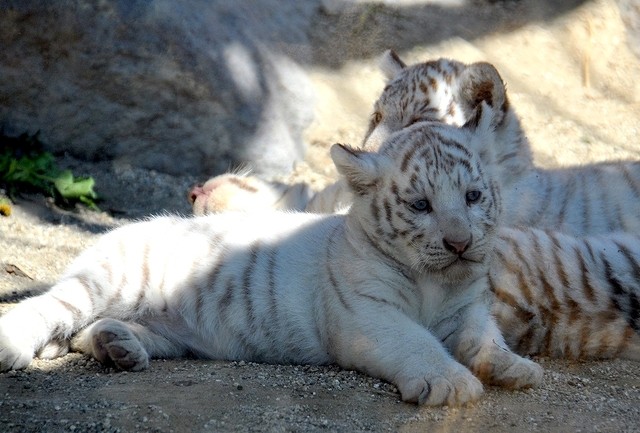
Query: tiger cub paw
[(510, 371), (455, 388), (113, 342), (15, 353)]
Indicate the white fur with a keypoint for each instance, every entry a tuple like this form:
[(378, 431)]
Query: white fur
[(309, 289)]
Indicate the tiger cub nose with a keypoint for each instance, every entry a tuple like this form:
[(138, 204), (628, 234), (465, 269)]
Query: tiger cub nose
[(456, 247), (195, 192)]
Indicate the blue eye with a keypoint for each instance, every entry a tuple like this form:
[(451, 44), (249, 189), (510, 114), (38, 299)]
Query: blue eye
[(473, 196), (421, 206)]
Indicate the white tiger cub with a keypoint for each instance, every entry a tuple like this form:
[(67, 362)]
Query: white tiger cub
[(558, 294), (397, 288)]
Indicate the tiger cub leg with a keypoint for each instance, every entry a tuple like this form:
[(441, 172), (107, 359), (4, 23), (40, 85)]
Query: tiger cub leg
[(479, 345), (126, 345)]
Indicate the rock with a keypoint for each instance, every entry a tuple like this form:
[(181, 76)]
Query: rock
[(630, 14), (192, 87)]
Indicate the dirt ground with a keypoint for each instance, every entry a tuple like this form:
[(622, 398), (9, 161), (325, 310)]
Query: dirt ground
[(574, 82)]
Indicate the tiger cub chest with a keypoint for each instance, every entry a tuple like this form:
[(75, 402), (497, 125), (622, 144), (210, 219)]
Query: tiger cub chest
[(444, 305)]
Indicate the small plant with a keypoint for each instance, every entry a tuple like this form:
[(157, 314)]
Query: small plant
[(26, 166)]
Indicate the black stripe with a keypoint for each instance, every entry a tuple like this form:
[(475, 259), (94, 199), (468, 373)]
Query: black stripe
[(271, 283), (246, 286), (586, 207), (208, 286), (391, 261), (332, 278), (379, 300), (569, 193), (522, 312), (546, 286), (546, 202), (632, 182), (633, 260), (559, 265), (524, 263), (587, 288), (227, 298), (618, 293)]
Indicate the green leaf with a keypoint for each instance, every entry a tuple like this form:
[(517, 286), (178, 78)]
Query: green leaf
[(26, 166), (71, 188)]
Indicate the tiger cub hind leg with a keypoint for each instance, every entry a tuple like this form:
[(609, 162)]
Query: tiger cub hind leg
[(495, 364), (127, 346)]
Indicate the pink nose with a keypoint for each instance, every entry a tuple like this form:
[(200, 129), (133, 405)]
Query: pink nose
[(456, 247), (195, 192)]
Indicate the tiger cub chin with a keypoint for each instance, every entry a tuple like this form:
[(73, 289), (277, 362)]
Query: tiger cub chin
[(397, 288)]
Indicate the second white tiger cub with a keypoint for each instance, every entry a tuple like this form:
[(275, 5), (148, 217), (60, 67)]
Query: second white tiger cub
[(397, 288)]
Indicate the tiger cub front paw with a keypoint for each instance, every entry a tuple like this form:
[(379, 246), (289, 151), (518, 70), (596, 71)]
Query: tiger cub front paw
[(453, 388), (15, 353), (12, 356)]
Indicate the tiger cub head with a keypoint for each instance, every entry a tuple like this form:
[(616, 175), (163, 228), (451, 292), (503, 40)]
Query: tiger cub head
[(241, 192), (448, 91), (428, 198)]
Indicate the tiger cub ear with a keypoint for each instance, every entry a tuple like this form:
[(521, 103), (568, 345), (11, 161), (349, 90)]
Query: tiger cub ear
[(391, 64), (359, 167), (481, 82)]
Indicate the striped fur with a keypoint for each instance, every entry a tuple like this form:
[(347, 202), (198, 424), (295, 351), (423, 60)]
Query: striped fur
[(562, 296), (397, 288), (597, 199), (584, 200)]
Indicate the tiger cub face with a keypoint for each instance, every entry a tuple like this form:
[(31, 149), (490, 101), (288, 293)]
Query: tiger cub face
[(428, 197), (241, 192)]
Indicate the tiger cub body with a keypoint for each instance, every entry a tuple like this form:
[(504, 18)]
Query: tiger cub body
[(567, 297), (567, 273), (397, 287)]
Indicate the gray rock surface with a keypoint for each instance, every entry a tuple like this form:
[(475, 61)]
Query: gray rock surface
[(180, 87), (630, 14)]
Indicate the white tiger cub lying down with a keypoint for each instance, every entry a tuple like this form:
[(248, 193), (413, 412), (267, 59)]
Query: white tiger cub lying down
[(396, 288)]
